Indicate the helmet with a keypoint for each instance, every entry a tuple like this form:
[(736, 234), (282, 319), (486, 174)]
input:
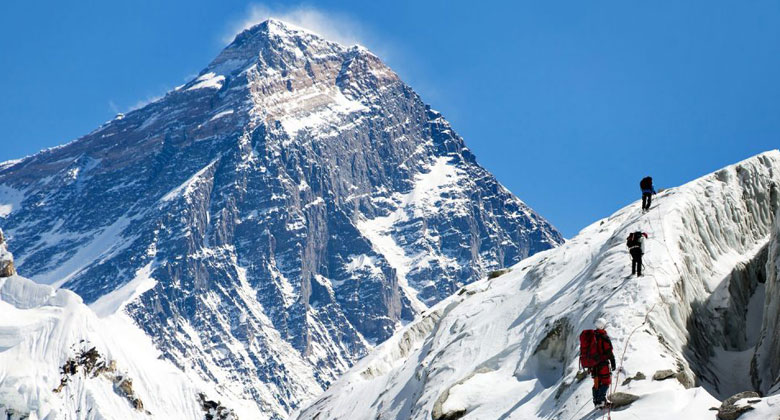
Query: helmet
[(600, 323)]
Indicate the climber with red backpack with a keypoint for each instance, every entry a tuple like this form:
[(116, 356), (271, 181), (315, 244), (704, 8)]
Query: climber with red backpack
[(597, 357), (636, 247), (646, 184)]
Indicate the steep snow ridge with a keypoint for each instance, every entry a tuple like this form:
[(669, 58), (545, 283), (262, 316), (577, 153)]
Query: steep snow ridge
[(506, 348), (42, 327), (189, 185)]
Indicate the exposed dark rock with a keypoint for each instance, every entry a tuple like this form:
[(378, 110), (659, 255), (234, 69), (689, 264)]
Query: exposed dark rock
[(93, 365), (729, 411), (6, 259), (638, 377), (214, 410), (497, 273), (7, 269), (622, 399), (452, 415), (685, 380), (663, 374)]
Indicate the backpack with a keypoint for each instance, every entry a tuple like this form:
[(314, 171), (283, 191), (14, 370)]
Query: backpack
[(646, 183), (592, 349), (633, 239)]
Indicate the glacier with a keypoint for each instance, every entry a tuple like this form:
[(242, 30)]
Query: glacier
[(702, 320)]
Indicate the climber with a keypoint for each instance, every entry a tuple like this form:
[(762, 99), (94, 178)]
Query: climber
[(596, 355), (646, 184), (636, 247)]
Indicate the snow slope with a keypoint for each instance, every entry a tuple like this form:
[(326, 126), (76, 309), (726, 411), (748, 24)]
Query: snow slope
[(506, 348), (41, 327)]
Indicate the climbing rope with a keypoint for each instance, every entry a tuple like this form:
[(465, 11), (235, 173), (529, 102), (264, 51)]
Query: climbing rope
[(573, 416), (616, 384), (647, 225)]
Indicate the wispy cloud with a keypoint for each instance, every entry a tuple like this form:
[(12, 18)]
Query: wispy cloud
[(149, 98), (113, 106), (146, 101), (332, 26)]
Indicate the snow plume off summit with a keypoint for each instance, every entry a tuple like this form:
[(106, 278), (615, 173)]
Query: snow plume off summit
[(269, 222)]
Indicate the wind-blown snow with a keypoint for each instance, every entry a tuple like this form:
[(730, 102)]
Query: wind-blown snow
[(506, 348)]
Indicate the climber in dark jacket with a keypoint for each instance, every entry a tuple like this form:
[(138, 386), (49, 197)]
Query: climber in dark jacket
[(636, 247), (646, 184), (602, 373)]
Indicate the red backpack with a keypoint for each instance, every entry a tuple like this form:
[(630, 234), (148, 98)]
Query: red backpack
[(592, 349)]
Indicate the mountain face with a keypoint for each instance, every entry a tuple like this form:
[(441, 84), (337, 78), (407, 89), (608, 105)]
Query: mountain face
[(271, 220), (698, 328), (60, 361)]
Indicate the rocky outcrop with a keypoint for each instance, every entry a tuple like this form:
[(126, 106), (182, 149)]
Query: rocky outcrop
[(92, 365), (622, 399), (214, 410), (663, 374), (638, 377), (6, 259), (730, 410)]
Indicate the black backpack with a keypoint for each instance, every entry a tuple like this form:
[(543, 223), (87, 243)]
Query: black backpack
[(646, 183), (633, 239)]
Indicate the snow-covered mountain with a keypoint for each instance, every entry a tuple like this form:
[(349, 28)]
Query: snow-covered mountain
[(271, 220), (59, 360), (700, 326)]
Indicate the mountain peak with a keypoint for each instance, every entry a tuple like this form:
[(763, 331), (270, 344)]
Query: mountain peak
[(269, 40), (270, 208), (276, 27)]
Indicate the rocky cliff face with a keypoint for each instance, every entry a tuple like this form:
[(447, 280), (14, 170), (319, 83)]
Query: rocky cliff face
[(765, 366), (271, 220)]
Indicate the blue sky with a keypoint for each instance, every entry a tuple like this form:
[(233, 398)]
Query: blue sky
[(568, 103)]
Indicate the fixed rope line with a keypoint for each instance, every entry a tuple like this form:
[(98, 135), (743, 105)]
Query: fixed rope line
[(615, 386), (573, 416)]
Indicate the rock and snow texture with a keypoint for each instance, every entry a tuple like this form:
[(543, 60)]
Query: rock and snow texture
[(507, 348), (766, 364), (45, 334), (6, 259), (270, 221)]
